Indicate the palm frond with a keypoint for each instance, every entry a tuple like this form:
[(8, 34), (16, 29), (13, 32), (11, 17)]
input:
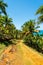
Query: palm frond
[(40, 10), (40, 18), (3, 7)]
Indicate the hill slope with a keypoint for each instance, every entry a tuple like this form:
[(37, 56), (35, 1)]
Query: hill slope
[(21, 55)]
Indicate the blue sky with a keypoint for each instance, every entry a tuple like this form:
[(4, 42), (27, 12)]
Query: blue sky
[(23, 10)]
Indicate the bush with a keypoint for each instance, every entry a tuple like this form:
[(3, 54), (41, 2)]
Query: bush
[(35, 42)]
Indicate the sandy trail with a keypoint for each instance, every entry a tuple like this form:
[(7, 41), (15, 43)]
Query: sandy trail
[(22, 55)]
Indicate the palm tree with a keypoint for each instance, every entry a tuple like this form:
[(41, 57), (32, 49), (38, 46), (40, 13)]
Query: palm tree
[(29, 27), (3, 7), (7, 29), (40, 12)]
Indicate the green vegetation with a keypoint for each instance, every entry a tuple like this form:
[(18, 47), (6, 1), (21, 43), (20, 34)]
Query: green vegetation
[(9, 33), (7, 28), (34, 41), (3, 7), (2, 47), (40, 11)]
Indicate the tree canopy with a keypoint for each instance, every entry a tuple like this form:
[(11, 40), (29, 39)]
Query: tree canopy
[(40, 12), (3, 7)]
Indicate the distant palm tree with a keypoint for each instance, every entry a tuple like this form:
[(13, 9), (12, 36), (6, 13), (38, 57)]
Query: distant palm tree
[(3, 7), (40, 12), (29, 27)]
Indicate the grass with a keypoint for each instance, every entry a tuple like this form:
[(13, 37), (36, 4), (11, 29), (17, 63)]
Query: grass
[(2, 47)]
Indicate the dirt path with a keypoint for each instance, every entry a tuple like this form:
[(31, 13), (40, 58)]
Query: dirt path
[(30, 57), (21, 55)]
